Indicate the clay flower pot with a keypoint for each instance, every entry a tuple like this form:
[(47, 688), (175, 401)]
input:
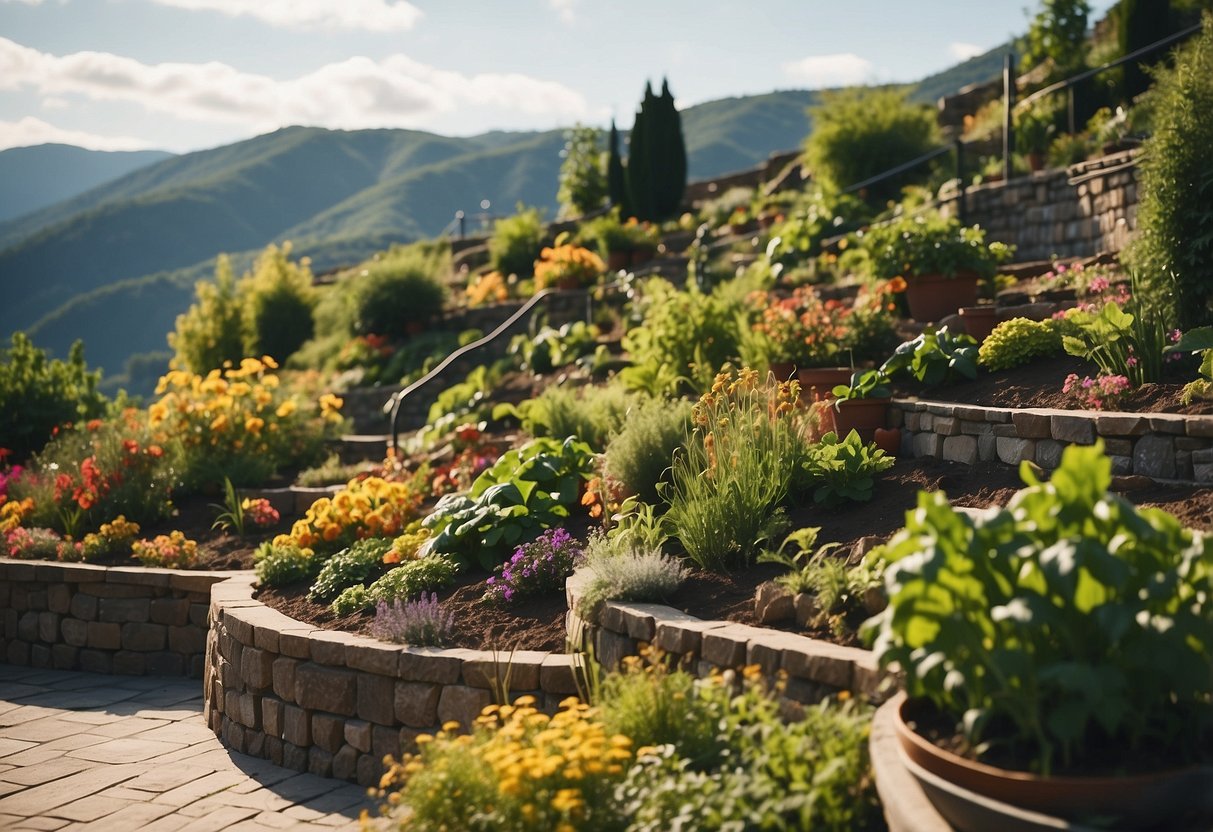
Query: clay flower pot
[(618, 260), (979, 321), (864, 416), (1136, 801), (817, 383), (932, 297)]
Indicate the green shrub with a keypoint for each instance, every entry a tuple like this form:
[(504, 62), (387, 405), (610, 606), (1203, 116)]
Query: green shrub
[(279, 303), (211, 331), (1019, 341), (399, 293), (858, 133), (640, 455), (1173, 250), (516, 241), (840, 470), (935, 357), (404, 582), (583, 182), (37, 395), (592, 414), (622, 569), (351, 566), (931, 245), (280, 564)]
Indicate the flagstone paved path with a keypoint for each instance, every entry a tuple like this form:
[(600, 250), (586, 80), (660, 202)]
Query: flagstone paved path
[(79, 751)]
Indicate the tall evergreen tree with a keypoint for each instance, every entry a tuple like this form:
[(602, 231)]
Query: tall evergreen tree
[(617, 187), (640, 171), (673, 177), (657, 164)]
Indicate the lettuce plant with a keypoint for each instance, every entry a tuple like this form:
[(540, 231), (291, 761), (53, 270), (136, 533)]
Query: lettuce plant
[(1064, 624)]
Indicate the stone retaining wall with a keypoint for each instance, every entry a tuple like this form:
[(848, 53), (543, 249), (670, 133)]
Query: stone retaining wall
[(807, 669), (1163, 446), (336, 703), (1078, 211), (100, 619)]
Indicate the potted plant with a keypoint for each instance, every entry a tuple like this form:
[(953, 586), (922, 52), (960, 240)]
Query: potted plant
[(940, 260), (1056, 653), (808, 336), (862, 405), (567, 266), (1034, 131), (980, 320)]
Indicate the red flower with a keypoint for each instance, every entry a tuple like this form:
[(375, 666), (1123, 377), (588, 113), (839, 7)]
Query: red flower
[(155, 451), (131, 446)]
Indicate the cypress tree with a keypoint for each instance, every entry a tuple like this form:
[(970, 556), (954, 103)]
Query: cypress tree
[(640, 169), (617, 188), (673, 167), (657, 160)]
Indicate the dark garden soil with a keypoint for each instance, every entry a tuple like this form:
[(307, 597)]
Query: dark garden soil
[(538, 624)]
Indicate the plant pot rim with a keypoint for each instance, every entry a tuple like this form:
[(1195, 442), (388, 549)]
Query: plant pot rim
[(1067, 795)]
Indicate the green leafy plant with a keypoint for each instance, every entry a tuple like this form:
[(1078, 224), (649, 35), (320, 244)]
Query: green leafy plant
[(1174, 241), (399, 293), (583, 176), (1065, 624), (552, 348), (516, 241), (1019, 341), (280, 564), (355, 565), (858, 133), (401, 583), (1126, 340), (1198, 340), (527, 490), (640, 454), (38, 394), (865, 384), (937, 356), (801, 565), (279, 303), (464, 401), (837, 470), (931, 244), (211, 331), (592, 414)]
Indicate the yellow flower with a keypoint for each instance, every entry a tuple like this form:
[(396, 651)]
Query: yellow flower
[(254, 424), (285, 409)]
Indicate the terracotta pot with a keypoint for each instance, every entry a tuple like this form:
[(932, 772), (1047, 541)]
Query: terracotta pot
[(888, 440), (979, 320), (1136, 801), (783, 370), (864, 416), (1036, 162), (641, 256), (618, 260), (817, 384), (932, 297)]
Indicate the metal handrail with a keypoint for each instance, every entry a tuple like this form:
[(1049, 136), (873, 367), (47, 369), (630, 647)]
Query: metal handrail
[(392, 405), (902, 168)]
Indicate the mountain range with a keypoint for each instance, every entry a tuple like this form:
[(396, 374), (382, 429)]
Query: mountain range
[(116, 261)]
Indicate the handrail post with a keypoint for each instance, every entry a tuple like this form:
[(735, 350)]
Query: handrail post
[(1008, 116), (459, 219)]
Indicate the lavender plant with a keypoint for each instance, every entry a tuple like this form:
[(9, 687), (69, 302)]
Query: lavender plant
[(536, 567), (421, 622)]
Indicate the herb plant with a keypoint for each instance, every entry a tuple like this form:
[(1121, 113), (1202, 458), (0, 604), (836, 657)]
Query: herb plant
[(535, 568), (1019, 341), (837, 470), (937, 356), (421, 622), (1064, 623), (354, 565)]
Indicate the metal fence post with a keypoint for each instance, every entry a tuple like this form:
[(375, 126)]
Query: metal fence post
[(960, 177), (1008, 117)]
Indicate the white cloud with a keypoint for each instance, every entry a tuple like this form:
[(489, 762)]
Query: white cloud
[(31, 131), (26, 2), (964, 51), (371, 15), (841, 70), (352, 94), (564, 8)]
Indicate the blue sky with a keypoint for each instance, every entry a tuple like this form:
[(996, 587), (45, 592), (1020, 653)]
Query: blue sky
[(188, 74)]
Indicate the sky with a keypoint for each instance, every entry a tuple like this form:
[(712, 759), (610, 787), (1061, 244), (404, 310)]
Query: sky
[(184, 75)]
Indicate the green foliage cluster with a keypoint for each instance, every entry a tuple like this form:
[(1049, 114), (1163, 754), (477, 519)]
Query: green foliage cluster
[(269, 311), (583, 173), (399, 293), (591, 414), (1058, 34), (931, 245), (1127, 341), (640, 454), (516, 241), (401, 583), (1065, 624), (1173, 250), (281, 564), (627, 568), (821, 214), (937, 356), (859, 132), (656, 172), (1019, 341), (839, 470), (1200, 341), (552, 348), (527, 490), (355, 565), (37, 394)]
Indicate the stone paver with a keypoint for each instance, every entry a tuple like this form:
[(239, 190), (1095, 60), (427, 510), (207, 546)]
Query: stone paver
[(81, 751)]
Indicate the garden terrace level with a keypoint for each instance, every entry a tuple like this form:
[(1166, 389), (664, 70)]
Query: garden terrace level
[(1161, 446)]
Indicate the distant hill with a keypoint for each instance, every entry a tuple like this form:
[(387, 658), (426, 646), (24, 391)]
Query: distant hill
[(35, 177), (115, 264)]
